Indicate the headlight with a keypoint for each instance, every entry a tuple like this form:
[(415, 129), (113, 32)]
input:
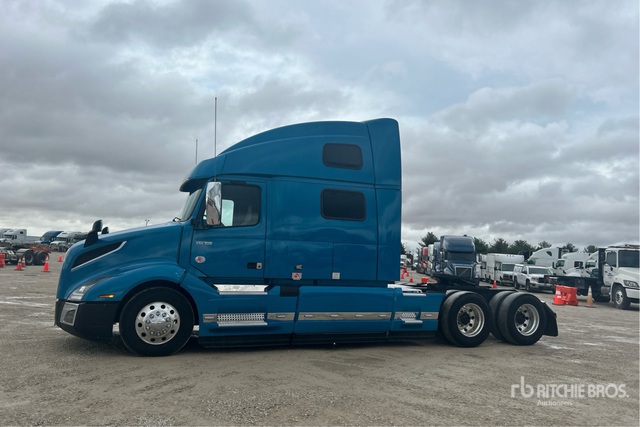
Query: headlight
[(80, 292), (630, 283)]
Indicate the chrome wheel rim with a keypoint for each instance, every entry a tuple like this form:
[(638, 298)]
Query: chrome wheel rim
[(470, 320), (527, 319), (157, 323)]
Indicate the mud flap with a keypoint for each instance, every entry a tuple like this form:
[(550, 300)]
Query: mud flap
[(552, 323)]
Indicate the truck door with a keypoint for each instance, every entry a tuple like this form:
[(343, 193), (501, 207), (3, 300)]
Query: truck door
[(229, 247), (611, 261)]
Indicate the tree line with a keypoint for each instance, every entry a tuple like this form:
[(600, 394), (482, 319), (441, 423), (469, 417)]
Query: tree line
[(501, 246)]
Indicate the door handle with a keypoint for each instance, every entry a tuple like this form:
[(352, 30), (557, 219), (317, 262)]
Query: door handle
[(254, 265)]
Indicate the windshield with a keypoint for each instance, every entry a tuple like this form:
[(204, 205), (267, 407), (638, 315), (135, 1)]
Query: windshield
[(508, 267), (469, 257), (629, 259), (189, 205), (539, 270)]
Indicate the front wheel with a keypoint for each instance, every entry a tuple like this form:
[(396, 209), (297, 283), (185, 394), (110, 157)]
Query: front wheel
[(156, 322), (465, 320), (620, 299), (521, 319), (516, 285)]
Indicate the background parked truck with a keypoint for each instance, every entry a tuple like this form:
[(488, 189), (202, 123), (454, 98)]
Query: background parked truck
[(546, 257), (17, 246), (499, 267), (17, 238), (615, 277), (423, 260), (66, 239), (570, 262), (455, 262)]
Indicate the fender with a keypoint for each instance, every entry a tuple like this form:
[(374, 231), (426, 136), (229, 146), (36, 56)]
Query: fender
[(116, 285)]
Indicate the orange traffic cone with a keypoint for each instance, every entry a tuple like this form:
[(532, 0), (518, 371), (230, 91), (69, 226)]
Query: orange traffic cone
[(60, 258), (46, 265), (19, 266), (557, 298), (24, 263), (410, 278), (589, 299), (1, 260), (495, 285)]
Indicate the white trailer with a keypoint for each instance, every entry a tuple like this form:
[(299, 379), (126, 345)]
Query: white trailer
[(499, 267)]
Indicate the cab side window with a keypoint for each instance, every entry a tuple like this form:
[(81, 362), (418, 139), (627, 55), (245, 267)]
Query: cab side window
[(240, 205), (612, 259)]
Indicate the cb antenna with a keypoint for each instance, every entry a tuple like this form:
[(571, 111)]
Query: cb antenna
[(215, 133), (215, 125)]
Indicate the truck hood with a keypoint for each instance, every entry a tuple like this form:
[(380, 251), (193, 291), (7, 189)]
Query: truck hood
[(117, 252), (628, 273)]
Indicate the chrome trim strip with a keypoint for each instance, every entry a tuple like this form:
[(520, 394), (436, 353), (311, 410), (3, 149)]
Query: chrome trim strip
[(283, 317), (253, 319), (101, 256), (429, 315), (344, 316)]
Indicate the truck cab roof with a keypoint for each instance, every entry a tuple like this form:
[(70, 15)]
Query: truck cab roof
[(366, 153)]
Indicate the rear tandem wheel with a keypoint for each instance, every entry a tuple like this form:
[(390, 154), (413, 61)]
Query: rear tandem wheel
[(521, 319), (465, 319)]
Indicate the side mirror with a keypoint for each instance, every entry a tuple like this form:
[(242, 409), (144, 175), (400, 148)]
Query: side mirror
[(213, 208)]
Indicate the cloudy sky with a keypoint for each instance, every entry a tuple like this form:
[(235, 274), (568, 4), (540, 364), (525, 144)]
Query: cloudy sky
[(518, 119)]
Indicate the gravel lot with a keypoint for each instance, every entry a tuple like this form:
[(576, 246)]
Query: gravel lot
[(588, 375)]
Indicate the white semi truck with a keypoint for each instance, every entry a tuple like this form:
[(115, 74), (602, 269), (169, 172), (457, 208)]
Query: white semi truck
[(570, 263), (17, 237), (546, 257)]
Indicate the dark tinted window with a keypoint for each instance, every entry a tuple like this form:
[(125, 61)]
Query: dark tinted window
[(346, 156), (340, 204)]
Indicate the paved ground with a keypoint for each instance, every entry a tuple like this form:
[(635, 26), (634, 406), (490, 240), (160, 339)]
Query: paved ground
[(586, 376)]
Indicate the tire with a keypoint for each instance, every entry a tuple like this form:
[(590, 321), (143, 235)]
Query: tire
[(620, 299), (601, 298), (465, 319), (516, 285), (522, 319), (527, 286), (156, 338), (494, 307), (28, 257), (41, 257), (439, 332)]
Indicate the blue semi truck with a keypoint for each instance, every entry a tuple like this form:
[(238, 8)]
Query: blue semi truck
[(291, 236), (456, 263)]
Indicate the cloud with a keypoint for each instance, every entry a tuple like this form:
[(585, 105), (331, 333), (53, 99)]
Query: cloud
[(517, 121)]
